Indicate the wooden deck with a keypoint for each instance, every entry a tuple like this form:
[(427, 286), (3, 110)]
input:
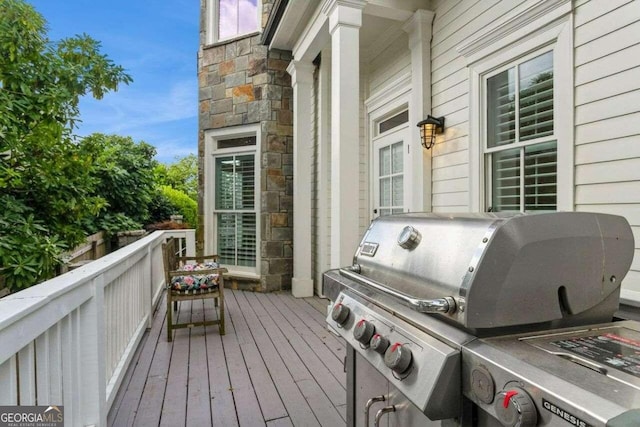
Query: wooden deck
[(276, 366)]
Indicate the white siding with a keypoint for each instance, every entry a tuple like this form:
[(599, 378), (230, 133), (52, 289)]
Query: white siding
[(607, 112), (389, 64), (454, 21)]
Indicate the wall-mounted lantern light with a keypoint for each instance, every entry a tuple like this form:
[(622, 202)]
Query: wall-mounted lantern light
[(429, 127)]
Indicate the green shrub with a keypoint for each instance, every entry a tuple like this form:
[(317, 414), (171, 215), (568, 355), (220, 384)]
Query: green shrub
[(183, 205)]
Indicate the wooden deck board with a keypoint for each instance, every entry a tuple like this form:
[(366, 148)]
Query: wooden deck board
[(276, 366), (308, 348), (296, 406), (270, 402), (128, 403), (174, 408), (198, 394)]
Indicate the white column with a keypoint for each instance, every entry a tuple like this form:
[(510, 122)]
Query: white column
[(302, 82), (345, 20), (323, 239), (418, 28)]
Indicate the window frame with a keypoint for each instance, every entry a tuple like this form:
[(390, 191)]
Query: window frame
[(212, 19), (210, 214), (518, 144), (531, 28)]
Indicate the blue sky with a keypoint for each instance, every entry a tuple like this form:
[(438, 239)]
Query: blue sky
[(156, 41)]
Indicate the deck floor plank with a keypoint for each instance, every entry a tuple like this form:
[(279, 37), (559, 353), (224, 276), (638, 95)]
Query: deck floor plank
[(319, 304), (296, 407), (268, 397), (223, 411), (307, 348), (128, 402), (174, 408), (307, 326), (276, 366), (198, 400), (244, 396), (316, 384)]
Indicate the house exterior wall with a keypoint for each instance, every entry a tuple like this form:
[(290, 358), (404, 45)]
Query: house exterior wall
[(241, 83), (606, 109), (607, 112)]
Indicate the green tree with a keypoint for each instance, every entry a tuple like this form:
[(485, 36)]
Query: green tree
[(181, 175), (182, 204), (46, 187), (124, 174)]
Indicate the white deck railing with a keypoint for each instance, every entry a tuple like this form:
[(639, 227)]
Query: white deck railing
[(70, 340)]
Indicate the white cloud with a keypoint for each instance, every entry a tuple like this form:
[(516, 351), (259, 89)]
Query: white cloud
[(166, 120)]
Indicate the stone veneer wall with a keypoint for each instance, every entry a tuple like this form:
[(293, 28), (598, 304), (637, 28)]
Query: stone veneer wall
[(242, 82)]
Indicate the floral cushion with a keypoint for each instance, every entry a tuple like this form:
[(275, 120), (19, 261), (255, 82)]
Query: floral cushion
[(195, 282)]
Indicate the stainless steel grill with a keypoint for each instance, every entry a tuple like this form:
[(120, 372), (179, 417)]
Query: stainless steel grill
[(488, 319)]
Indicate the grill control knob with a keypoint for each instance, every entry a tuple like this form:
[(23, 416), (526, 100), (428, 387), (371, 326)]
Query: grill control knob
[(379, 343), (409, 237), (340, 313), (363, 331), (514, 407), (398, 358)]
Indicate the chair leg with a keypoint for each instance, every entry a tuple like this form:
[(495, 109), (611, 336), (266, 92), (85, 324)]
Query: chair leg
[(169, 312), (221, 328), (175, 306)]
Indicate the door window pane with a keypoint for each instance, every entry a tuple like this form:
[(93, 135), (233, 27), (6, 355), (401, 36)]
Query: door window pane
[(385, 161), (385, 192), (397, 190), (391, 179), (396, 158)]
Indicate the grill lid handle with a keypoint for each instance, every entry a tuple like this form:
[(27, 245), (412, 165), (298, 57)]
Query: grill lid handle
[(446, 305)]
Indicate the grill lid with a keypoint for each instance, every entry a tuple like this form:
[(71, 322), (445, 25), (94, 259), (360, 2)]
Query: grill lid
[(497, 270)]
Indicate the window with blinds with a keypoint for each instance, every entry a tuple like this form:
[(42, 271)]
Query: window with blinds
[(235, 209), (521, 150)]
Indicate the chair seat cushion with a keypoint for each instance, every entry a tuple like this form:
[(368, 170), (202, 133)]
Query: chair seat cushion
[(192, 281)]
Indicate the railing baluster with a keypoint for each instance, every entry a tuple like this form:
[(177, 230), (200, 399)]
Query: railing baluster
[(9, 382)]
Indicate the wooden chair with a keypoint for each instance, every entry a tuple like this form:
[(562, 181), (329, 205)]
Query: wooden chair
[(192, 280)]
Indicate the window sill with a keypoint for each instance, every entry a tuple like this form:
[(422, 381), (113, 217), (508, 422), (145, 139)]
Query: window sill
[(242, 275), (231, 40)]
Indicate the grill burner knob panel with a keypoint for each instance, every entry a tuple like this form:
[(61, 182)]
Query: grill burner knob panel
[(379, 344), (364, 331), (514, 407), (398, 358), (340, 313)]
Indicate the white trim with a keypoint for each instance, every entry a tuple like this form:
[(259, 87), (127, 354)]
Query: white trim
[(553, 31), (393, 90), (210, 153), (521, 21)]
